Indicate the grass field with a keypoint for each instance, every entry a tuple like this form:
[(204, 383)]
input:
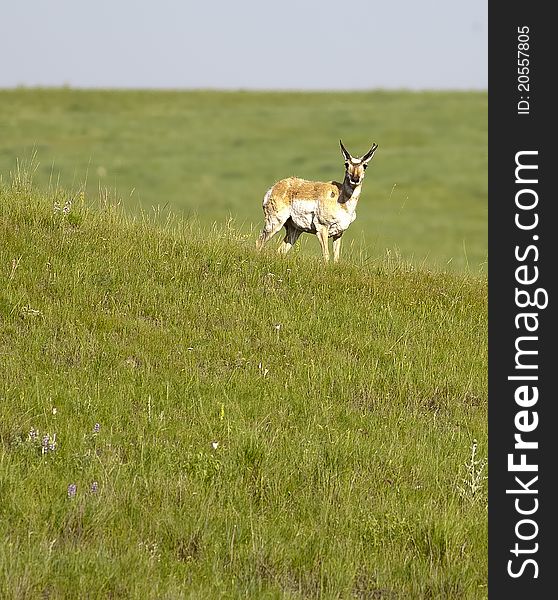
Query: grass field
[(235, 425), (214, 154)]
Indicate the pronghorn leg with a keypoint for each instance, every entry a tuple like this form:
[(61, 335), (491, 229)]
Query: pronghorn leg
[(322, 238), (292, 234), (336, 247), (272, 225)]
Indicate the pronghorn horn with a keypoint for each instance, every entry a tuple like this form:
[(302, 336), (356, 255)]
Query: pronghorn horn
[(345, 151), (370, 153)]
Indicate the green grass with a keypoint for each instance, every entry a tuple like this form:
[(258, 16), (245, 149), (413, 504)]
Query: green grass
[(214, 154), (344, 399)]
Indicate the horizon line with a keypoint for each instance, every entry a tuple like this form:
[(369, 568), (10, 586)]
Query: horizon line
[(63, 87)]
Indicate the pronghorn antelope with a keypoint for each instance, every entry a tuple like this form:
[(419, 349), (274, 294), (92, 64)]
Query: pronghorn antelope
[(324, 209)]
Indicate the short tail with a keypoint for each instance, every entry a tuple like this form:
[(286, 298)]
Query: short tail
[(267, 197)]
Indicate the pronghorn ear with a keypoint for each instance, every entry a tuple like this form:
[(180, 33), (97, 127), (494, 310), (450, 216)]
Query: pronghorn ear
[(368, 156), (346, 154)]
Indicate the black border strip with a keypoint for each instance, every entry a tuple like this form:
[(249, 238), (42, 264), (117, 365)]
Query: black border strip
[(533, 251)]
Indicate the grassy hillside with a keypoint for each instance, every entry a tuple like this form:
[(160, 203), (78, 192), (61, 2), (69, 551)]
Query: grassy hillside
[(235, 425), (215, 154)]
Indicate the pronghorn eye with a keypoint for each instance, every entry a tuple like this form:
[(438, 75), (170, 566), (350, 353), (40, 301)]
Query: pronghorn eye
[(364, 166)]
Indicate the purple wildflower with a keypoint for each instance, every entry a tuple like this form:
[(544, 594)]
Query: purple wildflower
[(33, 434), (97, 428), (72, 489), (94, 487), (46, 441)]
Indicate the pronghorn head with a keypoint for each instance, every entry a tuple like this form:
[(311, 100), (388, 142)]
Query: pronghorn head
[(355, 167)]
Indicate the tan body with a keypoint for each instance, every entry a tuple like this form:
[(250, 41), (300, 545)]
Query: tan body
[(324, 209)]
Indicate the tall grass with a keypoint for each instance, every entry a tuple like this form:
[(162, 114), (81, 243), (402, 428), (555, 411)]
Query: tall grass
[(214, 154), (235, 425)]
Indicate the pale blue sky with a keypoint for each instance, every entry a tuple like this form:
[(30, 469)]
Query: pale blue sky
[(287, 44)]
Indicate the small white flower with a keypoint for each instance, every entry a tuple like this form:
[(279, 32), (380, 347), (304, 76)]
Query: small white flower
[(54, 410), (261, 368), (214, 445), (27, 311)]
